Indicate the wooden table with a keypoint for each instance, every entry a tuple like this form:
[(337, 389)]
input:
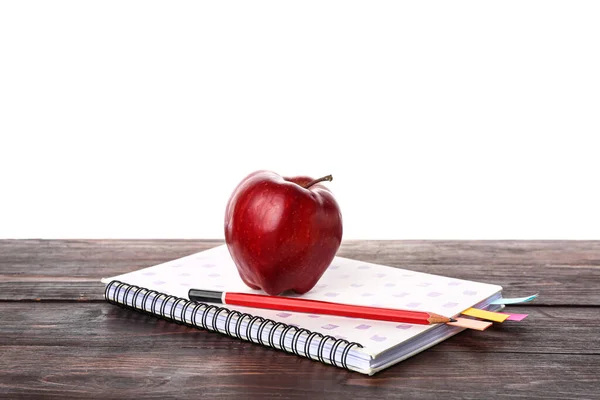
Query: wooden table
[(59, 338)]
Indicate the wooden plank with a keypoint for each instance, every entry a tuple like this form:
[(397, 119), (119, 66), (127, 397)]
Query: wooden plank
[(90, 258), (549, 330), (93, 258), (70, 270), (57, 289), (251, 372), (96, 350), (475, 252), (557, 284)]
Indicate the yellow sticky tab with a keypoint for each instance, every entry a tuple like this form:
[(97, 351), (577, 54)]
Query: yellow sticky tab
[(471, 324), (490, 316)]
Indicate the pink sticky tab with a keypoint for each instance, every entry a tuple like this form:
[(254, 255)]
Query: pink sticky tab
[(515, 317)]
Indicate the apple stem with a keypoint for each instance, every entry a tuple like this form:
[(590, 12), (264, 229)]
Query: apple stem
[(327, 178)]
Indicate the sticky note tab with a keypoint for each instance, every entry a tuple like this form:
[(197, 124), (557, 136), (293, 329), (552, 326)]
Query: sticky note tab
[(515, 300), (471, 324), (490, 316), (515, 317)]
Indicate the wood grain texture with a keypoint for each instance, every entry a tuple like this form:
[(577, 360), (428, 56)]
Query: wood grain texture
[(66, 324), (100, 350), (72, 344), (255, 373), (71, 270), (111, 257), (557, 284)]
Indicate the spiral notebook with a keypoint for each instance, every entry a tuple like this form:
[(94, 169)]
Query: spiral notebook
[(360, 345)]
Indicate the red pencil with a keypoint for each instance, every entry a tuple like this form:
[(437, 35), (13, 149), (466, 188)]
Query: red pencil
[(295, 304)]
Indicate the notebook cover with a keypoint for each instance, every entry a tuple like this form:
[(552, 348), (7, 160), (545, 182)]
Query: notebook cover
[(345, 281)]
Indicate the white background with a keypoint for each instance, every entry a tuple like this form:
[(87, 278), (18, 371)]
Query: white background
[(438, 120)]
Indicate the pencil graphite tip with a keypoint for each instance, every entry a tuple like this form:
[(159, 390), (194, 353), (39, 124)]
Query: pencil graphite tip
[(452, 320)]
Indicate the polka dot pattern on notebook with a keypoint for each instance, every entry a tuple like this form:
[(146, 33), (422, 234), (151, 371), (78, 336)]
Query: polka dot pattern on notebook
[(345, 281)]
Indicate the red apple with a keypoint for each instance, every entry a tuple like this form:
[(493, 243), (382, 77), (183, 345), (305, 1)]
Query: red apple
[(282, 233)]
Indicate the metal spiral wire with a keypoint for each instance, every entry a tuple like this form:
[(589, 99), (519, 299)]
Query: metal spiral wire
[(158, 308)]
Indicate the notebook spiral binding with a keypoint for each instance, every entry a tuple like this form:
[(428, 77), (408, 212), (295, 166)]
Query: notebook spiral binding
[(160, 301)]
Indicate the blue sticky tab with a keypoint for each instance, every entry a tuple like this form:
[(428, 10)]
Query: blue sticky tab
[(516, 300)]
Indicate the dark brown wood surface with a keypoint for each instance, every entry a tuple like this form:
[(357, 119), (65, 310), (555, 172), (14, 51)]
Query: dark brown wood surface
[(59, 338)]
